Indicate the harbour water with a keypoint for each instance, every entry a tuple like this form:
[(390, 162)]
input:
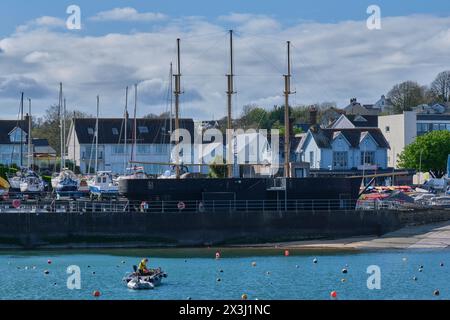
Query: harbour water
[(197, 275)]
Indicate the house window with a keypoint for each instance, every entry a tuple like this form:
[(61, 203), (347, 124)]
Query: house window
[(388, 129), (90, 131), (143, 130), (119, 149), (115, 131), (311, 158), (340, 159), (367, 158), (143, 149)]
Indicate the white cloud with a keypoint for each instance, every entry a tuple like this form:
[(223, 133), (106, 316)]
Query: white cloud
[(331, 62), (36, 57), (42, 22), (128, 14)]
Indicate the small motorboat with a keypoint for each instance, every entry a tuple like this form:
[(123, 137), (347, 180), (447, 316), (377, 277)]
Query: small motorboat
[(134, 173), (136, 281), (171, 174), (103, 185), (140, 284)]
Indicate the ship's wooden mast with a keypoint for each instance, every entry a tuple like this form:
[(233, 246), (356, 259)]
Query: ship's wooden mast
[(134, 146), (126, 132), (96, 134), (177, 94), (61, 127), (230, 92), (287, 92), (30, 153), (21, 130)]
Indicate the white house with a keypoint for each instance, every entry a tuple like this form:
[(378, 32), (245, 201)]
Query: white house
[(344, 149), (153, 145), (13, 137), (401, 129)]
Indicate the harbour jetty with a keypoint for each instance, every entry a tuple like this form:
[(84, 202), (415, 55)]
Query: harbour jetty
[(122, 223)]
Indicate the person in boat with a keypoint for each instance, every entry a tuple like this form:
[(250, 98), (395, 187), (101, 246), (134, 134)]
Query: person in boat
[(142, 269)]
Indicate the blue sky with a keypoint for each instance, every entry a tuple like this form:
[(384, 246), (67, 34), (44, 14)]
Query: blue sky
[(15, 12), (335, 56)]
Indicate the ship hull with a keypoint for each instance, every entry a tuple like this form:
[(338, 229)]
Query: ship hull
[(207, 190)]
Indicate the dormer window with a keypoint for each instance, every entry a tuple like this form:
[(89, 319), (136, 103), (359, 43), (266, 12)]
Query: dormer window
[(90, 131), (360, 119), (143, 129), (115, 131)]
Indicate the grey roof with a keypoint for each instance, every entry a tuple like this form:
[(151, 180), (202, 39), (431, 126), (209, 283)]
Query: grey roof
[(112, 130), (324, 137), (436, 117), (371, 121), (41, 146)]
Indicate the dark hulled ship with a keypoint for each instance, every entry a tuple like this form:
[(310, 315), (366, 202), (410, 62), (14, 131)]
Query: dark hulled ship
[(341, 192)]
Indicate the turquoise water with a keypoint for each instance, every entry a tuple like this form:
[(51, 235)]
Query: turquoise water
[(273, 276)]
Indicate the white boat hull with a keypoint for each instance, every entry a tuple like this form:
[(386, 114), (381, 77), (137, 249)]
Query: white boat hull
[(138, 284)]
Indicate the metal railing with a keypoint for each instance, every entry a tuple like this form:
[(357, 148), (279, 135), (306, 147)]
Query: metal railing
[(210, 206)]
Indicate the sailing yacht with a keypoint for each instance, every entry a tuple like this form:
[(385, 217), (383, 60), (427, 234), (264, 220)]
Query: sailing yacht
[(65, 181), (32, 182), (134, 172), (15, 180)]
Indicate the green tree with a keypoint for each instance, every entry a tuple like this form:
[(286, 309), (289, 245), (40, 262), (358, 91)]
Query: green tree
[(217, 169), (253, 117), (428, 153), (48, 126)]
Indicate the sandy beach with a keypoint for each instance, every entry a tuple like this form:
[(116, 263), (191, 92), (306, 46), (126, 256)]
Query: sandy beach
[(430, 236)]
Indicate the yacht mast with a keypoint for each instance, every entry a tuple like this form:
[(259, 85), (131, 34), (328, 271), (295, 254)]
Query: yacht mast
[(21, 131), (177, 93), (74, 143), (61, 146), (171, 98), (133, 149), (30, 154), (64, 134), (230, 92), (287, 92), (96, 134), (126, 131)]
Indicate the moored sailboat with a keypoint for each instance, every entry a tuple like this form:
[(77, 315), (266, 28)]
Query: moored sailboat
[(65, 181)]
